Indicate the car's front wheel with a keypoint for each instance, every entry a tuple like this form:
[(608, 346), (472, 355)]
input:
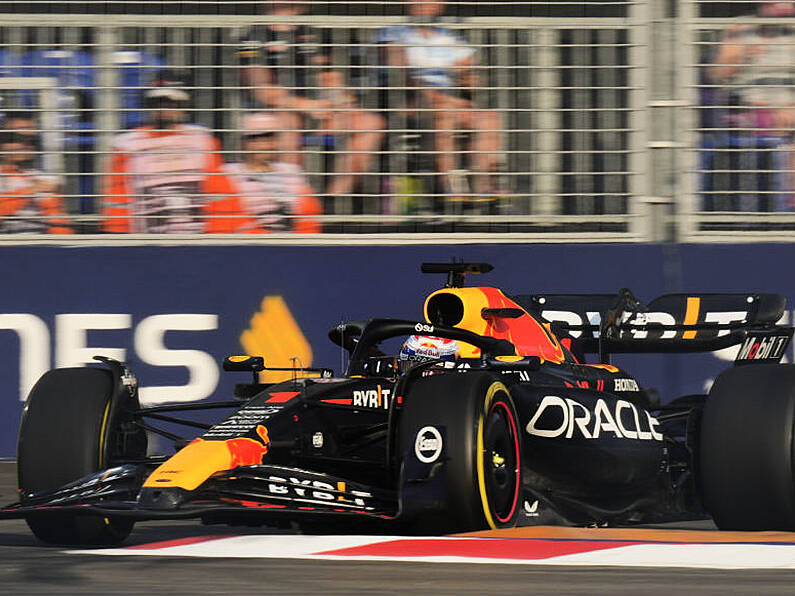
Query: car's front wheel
[(68, 429), (462, 456)]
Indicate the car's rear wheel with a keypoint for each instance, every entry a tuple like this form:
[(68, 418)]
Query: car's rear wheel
[(747, 448), (68, 431), (467, 424)]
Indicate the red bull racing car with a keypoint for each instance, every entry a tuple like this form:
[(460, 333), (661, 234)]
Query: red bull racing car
[(511, 427)]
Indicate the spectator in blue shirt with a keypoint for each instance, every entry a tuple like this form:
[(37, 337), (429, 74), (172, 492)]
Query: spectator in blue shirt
[(441, 64)]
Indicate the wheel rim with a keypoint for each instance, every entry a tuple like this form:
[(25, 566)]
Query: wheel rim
[(501, 461)]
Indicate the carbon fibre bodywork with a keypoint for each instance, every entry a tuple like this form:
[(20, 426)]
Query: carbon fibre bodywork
[(328, 452)]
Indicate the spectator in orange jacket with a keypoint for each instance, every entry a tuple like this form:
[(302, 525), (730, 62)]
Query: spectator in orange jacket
[(276, 194), (167, 177), (30, 201)]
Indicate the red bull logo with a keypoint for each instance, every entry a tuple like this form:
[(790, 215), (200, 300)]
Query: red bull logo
[(248, 452), (195, 463)]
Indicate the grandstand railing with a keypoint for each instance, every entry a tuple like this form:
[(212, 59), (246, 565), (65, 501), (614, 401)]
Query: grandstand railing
[(583, 158)]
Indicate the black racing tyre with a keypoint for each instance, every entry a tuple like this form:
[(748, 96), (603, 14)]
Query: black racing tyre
[(747, 451), (66, 432), (481, 486)]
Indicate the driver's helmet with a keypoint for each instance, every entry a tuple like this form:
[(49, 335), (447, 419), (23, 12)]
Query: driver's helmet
[(421, 348)]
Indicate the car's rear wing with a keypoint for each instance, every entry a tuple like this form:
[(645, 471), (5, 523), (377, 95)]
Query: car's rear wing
[(619, 323)]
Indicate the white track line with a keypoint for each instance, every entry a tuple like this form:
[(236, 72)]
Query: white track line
[(711, 556)]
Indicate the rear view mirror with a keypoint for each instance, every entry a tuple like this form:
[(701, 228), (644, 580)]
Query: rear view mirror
[(244, 363)]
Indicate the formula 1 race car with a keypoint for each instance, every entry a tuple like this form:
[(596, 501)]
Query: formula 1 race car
[(514, 429)]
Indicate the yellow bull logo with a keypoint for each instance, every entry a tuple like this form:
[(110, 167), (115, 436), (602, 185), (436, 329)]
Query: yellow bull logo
[(274, 334)]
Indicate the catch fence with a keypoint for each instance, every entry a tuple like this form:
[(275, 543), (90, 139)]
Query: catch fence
[(548, 127)]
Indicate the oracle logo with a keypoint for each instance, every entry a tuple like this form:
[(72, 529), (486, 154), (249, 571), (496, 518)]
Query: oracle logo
[(556, 417)]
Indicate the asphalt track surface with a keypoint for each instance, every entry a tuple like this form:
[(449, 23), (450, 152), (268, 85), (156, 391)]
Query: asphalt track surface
[(30, 568)]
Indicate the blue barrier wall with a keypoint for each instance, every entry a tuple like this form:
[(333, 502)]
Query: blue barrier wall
[(55, 301)]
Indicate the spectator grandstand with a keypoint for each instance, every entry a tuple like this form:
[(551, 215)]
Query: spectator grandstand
[(611, 125)]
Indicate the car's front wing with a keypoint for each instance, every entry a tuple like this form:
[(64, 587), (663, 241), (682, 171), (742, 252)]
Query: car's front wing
[(260, 491)]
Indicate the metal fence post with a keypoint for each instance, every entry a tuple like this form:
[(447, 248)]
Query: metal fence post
[(108, 116), (639, 161), (664, 106), (546, 120), (688, 57)]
